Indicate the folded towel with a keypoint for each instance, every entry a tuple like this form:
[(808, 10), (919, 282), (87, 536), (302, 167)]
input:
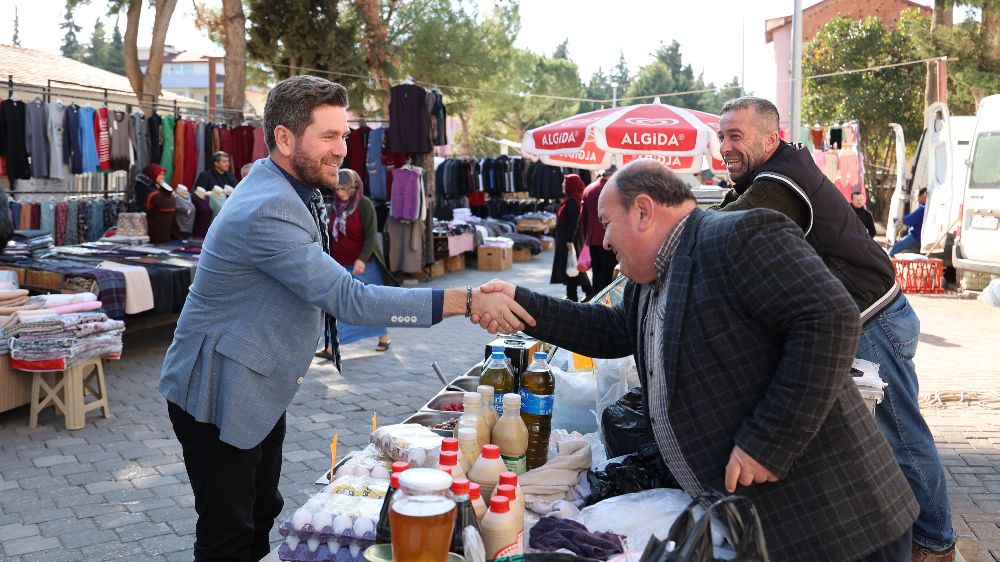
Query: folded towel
[(555, 479), (12, 293), (49, 301), (551, 534)]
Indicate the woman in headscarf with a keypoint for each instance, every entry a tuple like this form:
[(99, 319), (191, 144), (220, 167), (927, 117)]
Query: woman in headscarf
[(354, 244), (569, 238), (145, 184)]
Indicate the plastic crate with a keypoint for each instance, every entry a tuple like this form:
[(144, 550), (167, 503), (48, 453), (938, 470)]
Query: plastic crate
[(920, 276)]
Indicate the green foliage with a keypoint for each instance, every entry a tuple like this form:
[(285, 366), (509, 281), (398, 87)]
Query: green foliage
[(562, 50), (874, 98), (70, 46), (509, 116), (115, 61), (599, 88), (17, 35), (96, 52), (668, 74)]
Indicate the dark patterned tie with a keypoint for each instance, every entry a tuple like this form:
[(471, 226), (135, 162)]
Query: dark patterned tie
[(318, 210)]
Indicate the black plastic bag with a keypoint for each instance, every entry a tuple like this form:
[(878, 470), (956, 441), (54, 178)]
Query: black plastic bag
[(624, 425), (643, 470), (692, 537)]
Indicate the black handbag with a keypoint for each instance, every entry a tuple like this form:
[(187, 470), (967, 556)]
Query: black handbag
[(690, 537)]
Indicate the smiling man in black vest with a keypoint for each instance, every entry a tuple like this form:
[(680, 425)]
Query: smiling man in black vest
[(770, 173)]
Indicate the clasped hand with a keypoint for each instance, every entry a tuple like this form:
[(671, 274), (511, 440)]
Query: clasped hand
[(495, 310)]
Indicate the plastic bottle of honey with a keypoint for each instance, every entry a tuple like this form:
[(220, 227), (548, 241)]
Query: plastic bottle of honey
[(511, 435), (486, 471), (500, 530)]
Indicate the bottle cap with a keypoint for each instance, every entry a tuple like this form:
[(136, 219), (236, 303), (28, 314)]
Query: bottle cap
[(400, 466), (460, 486), (444, 468), (471, 398), (499, 504), (467, 433), (424, 480), (449, 444), (541, 356), (497, 348), (394, 480), (484, 389), (449, 458), (511, 400), (497, 355), (508, 478), (505, 490), (474, 491), (491, 452)]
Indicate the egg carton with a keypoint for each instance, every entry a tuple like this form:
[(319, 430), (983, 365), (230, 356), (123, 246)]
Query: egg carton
[(367, 462), (408, 442), (312, 550), (335, 517)]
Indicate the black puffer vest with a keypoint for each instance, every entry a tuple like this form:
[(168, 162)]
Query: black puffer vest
[(833, 229)]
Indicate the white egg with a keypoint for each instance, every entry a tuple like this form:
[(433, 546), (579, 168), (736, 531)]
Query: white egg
[(293, 541), (355, 549), (312, 543), (363, 525), (380, 473), (301, 519), (322, 520), (341, 524)]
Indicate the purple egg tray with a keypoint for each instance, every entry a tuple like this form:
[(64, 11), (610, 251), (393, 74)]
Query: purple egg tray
[(301, 553)]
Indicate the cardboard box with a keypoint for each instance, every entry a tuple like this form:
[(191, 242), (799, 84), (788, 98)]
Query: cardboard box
[(548, 243), (523, 254), (455, 263), (519, 348), (495, 259), (436, 269)]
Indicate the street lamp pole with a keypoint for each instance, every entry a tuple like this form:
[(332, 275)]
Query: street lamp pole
[(614, 94), (796, 120)]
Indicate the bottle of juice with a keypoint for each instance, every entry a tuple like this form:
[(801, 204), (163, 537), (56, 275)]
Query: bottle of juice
[(468, 447), (465, 515), (472, 418), (498, 374), (490, 414), (537, 398), (500, 530), (511, 435), (476, 497), (486, 471)]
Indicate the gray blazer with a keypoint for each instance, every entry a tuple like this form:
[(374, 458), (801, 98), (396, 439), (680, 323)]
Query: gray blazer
[(253, 316)]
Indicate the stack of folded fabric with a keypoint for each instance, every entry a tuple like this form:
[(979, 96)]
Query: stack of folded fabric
[(33, 243), (58, 341)]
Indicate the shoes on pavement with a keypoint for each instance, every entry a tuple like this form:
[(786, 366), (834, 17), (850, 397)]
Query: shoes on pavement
[(923, 554)]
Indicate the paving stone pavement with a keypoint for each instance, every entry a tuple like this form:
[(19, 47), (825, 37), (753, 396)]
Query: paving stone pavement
[(117, 489)]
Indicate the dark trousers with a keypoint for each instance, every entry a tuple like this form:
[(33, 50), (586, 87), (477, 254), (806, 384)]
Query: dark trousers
[(899, 550), (602, 264), (235, 490), (581, 281)]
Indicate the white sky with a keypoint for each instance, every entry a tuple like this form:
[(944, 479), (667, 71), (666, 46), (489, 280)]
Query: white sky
[(722, 38)]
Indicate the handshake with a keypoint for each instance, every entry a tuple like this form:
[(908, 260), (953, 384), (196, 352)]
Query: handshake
[(493, 307)]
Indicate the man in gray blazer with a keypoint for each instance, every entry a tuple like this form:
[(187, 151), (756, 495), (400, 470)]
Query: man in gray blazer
[(266, 285)]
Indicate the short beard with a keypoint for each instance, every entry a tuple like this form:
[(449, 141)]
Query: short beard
[(309, 172), (755, 159)]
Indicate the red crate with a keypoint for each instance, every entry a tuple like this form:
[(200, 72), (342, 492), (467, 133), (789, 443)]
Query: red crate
[(920, 276)]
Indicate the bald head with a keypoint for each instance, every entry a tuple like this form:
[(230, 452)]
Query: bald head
[(649, 177)]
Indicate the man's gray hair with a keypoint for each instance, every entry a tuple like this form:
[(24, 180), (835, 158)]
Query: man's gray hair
[(651, 178), (765, 115), (292, 101)]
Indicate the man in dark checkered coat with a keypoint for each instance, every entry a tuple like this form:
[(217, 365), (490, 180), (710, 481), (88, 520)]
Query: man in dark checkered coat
[(744, 341)]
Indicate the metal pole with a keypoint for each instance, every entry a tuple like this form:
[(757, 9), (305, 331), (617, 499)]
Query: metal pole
[(614, 94), (211, 87), (796, 121)]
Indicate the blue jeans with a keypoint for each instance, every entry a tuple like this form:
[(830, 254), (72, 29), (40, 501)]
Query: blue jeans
[(890, 340), (908, 243)]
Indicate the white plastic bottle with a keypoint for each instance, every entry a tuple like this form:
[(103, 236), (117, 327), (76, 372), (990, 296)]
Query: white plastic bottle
[(476, 497), (508, 491), (500, 530), (472, 418), (486, 471), (468, 448), (510, 479), (511, 435), (490, 414)]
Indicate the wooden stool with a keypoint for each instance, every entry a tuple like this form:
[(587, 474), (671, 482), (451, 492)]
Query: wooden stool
[(68, 392)]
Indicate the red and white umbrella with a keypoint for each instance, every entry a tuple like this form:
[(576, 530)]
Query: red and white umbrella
[(675, 136)]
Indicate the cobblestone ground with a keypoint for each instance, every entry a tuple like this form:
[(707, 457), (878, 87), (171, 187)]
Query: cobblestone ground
[(117, 488)]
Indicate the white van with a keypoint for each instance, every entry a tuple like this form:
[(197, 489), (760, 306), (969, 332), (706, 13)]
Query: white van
[(977, 244), (940, 167)]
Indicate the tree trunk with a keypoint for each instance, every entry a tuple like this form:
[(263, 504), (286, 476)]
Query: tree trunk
[(375, 42), (989, 30), (146, 86), (234, 87), (942, 19)]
